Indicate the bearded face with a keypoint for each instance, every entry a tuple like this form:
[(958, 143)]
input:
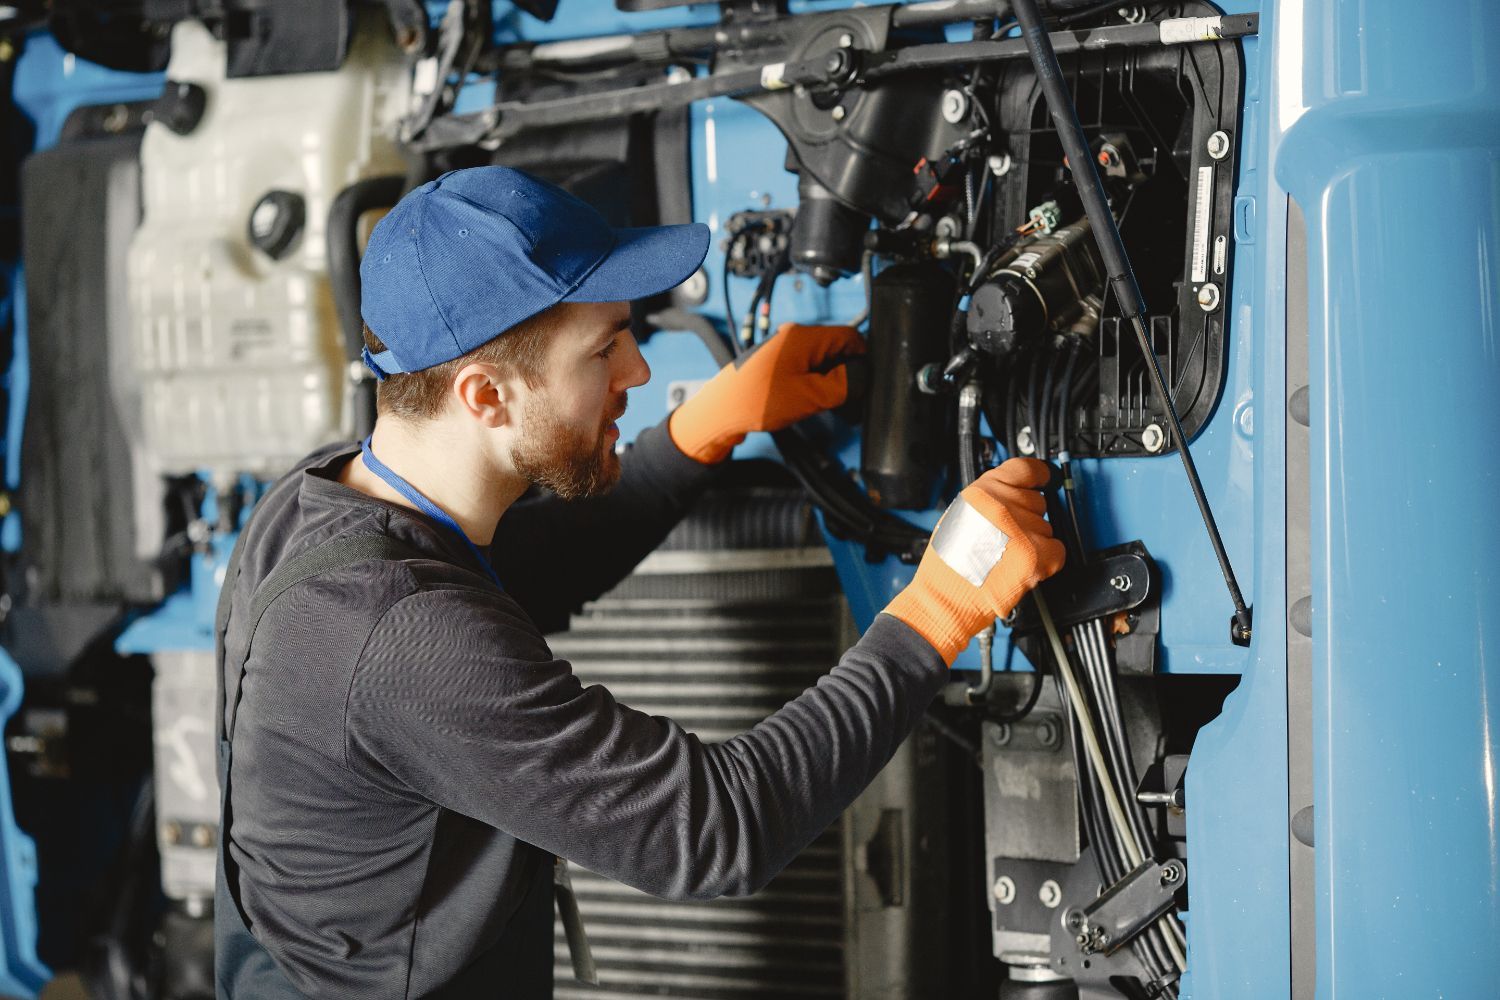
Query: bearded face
[(572, 461)]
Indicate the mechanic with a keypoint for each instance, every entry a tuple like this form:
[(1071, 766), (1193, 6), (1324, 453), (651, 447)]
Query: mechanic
[(401, 756)]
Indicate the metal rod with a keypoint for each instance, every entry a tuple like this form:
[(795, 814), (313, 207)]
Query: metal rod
[(1121, 276)]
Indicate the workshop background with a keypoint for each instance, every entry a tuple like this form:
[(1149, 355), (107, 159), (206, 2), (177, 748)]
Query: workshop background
[(1251, 755)]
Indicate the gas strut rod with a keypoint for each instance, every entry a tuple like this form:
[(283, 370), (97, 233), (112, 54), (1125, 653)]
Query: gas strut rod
[(1121, 275)]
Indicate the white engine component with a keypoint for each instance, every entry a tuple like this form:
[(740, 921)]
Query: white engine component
[(240, 356)]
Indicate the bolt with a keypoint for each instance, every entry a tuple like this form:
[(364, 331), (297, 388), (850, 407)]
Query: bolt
[(1050, 894), (1171, 873), (1218, 145), (1000, 736), (846, 40), (1153, 438), (947, 227), (999, 164), (1048, 734), (1024, 443), (1208, 297), (1120, 583), (171, 833), (838, 112), (203, 835), (1074, 921), (955, 106), (1005, 890)]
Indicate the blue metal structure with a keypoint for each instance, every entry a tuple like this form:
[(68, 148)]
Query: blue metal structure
[(1378, 113), (1383, 124)]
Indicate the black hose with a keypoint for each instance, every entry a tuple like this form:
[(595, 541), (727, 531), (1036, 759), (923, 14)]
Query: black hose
[(343, 275), (1044, 410), (1032, 391)]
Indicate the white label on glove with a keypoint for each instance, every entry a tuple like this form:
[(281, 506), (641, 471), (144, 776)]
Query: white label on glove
[(967, 541)]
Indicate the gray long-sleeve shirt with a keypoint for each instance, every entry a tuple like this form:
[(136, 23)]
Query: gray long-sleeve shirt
[(408, 752)]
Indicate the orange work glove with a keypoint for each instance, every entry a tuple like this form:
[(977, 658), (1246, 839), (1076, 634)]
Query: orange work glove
[(793, 375), (990, 548)]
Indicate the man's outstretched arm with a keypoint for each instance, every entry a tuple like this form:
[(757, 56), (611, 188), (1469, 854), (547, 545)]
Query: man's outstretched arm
[(457, 700)]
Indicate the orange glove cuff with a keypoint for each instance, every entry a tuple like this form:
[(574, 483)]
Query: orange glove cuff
[(793, 375)]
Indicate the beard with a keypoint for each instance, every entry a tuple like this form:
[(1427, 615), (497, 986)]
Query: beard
[(573, 464)]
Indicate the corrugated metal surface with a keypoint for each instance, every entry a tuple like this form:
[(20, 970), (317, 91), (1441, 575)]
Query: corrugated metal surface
[(716, 640)]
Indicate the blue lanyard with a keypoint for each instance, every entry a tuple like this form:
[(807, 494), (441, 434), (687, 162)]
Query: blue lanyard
[(425, 505)]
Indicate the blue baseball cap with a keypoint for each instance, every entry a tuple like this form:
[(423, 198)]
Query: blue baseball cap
[(464, 258)]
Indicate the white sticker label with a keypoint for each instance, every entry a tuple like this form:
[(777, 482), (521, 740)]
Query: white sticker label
[(967, 541), (1204, 203)]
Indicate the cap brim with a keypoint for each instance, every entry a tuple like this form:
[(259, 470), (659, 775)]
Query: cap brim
[(645, 261)]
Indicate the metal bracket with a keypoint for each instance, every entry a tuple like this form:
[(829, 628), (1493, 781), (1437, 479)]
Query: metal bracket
[(1106, 585), (1126, 908)]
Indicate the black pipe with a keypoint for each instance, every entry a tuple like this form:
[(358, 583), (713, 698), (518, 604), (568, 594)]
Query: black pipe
[(343, 274), (1121, 277)]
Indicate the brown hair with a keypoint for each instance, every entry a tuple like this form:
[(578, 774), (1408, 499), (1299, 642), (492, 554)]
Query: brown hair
[(419, 395)]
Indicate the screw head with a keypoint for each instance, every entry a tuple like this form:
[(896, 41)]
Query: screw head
[(1153, 438), (955, 106), (999, 164), (1005, 890), (838, 112), (1218, 145), (171, 832), (1000, 735), (846, 40), (1171, 873), (1050, 894), (1120, 583)]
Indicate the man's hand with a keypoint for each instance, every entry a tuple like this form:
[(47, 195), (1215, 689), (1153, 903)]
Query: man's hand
[(989, 550), (793, 375)]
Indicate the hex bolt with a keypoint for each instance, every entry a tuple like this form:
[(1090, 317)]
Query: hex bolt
[(838, 112), (1120, 583), (846, 40), (1005, 890), (1171, 873), (1050, 894), (1074, 921), (999, 164), (1208, 297), (1048, 734), (1218, 145), (1001, 735), (1153, 438)]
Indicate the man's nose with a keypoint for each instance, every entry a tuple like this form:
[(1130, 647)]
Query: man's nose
[(632, 369)]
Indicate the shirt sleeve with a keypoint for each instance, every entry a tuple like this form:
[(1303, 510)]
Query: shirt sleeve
[(553, 555), (458, 700)]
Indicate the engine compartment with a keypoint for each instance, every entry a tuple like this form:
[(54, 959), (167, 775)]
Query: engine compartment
[(891, 167)]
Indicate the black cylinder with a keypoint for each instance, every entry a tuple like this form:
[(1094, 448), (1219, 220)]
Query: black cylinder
[(343, 274), (906, 431), (828, 238), (1049, 282)]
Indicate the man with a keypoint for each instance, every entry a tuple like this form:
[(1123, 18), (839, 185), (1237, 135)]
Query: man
[(403, 756)]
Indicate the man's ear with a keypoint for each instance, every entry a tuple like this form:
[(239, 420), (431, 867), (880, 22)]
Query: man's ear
[(483, 393)]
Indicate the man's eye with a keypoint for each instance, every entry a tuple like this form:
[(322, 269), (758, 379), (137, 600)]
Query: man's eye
[(609, 348)]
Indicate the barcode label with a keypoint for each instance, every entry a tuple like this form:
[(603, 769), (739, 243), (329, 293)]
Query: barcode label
[(1203, 207)]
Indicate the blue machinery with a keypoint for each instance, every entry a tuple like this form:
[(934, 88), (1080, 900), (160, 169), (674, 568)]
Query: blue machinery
[(1343, 816)]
